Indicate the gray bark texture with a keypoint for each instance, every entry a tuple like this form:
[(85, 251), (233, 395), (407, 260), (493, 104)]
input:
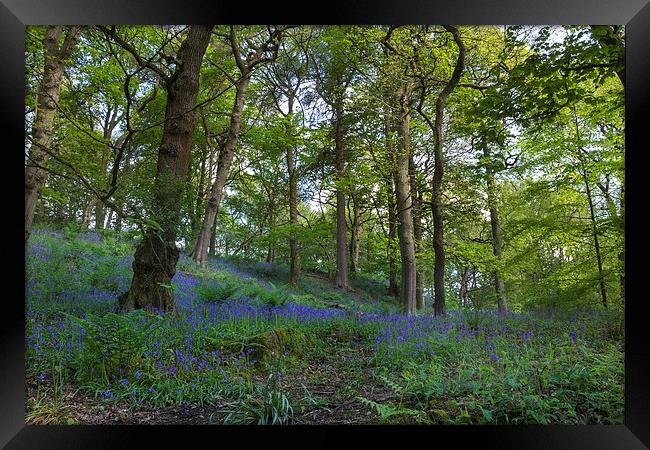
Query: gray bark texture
[(404, 201)]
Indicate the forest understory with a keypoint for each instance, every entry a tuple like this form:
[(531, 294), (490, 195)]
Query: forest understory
[(245, 347)]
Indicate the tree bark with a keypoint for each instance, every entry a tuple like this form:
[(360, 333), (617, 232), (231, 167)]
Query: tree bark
[(270, 255), (110, 122), (497, 238), (393, 290), (226, 157), (213, 241), (294, 255), (404, 201), (85, 216), (156, 255), (47, 101), (463, 287), (621, 255), (195, 220), (417, 232), (109, 218), (341, 228), (594, 231), (592, 212), (619, 219), (355, 229), (439, 307)]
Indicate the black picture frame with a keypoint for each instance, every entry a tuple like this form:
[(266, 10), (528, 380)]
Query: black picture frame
[(635, 14)]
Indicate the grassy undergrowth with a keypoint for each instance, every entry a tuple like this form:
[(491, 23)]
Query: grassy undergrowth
[(243, 338)]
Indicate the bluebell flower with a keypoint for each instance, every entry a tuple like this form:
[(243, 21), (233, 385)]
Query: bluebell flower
[(573, 336)]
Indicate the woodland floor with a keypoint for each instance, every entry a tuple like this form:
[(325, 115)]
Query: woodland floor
[(347, 356), (333, 382)]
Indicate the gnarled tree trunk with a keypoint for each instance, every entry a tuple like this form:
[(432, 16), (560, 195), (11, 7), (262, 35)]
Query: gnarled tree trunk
[(156, 255)]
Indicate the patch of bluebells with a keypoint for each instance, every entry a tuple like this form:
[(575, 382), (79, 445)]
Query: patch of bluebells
[(173, 348)]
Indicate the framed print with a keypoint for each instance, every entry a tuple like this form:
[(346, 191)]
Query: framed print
[(425, 217)]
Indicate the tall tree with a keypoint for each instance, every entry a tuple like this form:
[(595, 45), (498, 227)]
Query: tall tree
[(49, 91), (333, 76), (404, 198), (439, 306), (286, 77), (401, 99), (259, 53), (156, 256), (495, 225)]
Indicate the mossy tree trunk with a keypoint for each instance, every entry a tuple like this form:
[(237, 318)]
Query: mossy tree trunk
[(156, 255)]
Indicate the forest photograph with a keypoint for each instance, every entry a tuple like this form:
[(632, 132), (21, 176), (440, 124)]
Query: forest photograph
[(324, 225)]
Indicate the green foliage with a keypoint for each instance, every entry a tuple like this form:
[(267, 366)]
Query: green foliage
[(113, 344), (273, 408), (392, 414), (210, 291), (275, 296), (46, 411)]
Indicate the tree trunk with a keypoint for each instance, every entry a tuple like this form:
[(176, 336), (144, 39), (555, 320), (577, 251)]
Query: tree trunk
[(393, 290), (592, 213), (156, 255), (85, 216), (294, 256), (125, 172), (47, 101), (417, 232), (109, 218), (195, 219), (110, 121), (594, 230), (341, 239), (223, 169), (463, 287), (270, 255), (439, 306), (497, 239), (41, 210), (619, 219), (621, 255), (100, 215), (213, 240), (355, 228), (404, 202)]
